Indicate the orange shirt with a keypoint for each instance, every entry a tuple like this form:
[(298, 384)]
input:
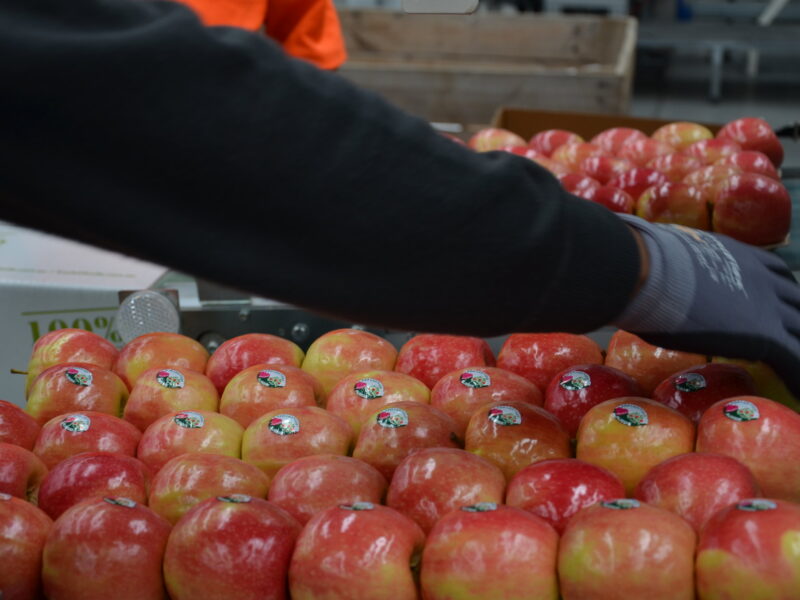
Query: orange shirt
[(307, 29)]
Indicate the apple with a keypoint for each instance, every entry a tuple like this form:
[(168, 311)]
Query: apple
[(750, 550), (188, 479), (159, 350), (23, 530), (754, 134), (768, 384), (93, 475), (675, 166), (710, 151), (712, 177), (283, 435), (572, 154), (760, 433), (539, 356), (676, 203), (522, 151), (680, 135), (429, 357), (158, 392), (692, 391), (189, 431), (626, 549), (73, 433), (614, 199), (392, 432), (697, 485), (431, 482), (637, 180), (604, 168), (649, 365), (514, 434), (105, 548), (262, 388), (357, 396), (750, 161), (558, 488), (234, 546), (556, 168), (17, 426), (614, 139), (490, 551), (21, 472), (579, 185), (546, 142), (69, 345), (463, 391), (753, 209), (642, 150), (73, 387), (576, 389), (630, 435), (494, 138), (360, 551), (311, 484)]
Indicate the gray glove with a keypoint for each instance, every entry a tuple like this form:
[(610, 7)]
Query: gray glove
[(708, 293)]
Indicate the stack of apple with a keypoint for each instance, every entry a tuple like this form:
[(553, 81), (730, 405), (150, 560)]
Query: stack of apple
[(680, 174), (555, 469)]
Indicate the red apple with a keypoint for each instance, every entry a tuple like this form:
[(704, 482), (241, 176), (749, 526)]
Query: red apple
[(494, 138), (228, 547), (604, 168), (23, 530), (159, 350), (21, 472), (431, 482), (105, 548), (93, 475), (546, 142), (696, 485), (614, 139), (760, 433), (710, 151), (429, 357), (515, 434), (361, 551), (713, 177), (642, 150), (614, 199), (189, 479), (750, 161), (489, 551), (17, 426), (629, 436), (556, 168), (754, 134), (676, 203), (579, 185), (522, 151), (637, 180), (576, 389), (768, 384), (558, 488), (675, 166), (311, 484), (626, 549), (572, 154), (682, 134), (753, 209), (539, 356), (73, 433)]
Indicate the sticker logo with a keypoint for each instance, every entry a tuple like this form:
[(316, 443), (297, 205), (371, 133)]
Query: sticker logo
[(284, 424), (621, 504), (480, 507), (170, 378), (78, 376), (392, 418), (235, 498), (76, 423), (358, 506), (631, 415), (368, 388), (504, 415), (757, 504), (271, 378), (575, 380), (121, 501), (740, 410), (475, 379), (689, 382), (4, 496), (189, 419)]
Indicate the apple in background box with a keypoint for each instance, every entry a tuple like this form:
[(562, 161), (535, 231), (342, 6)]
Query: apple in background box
[(361, 551), (21, 472), (490, 551), (93, 475), (522, 151), (105, 548), (311, 484), (578, 184), (637, 180), (710, 151), (682, 134), (614, 199), (189, 431), (641, 151), (675, 166), (191, 478), (614, 139), (494, 138), (768, 384), (232, 546), (74, 387), (391, 433), (556, 168), (23, 531), (626, 549), (676, 203), (760, 433), (572, 154), (17, 426), (281, 436), (159, 350), (431, 482), (69, 345), (604, 168), (750, 550), (514, 434), (429, 356), (539, 356), (752, 133), (629, 436), (74, 433), (712, 176), (753, 209), (750, 161), (260, 389), (697, 485), (556, 489), (546, 142)]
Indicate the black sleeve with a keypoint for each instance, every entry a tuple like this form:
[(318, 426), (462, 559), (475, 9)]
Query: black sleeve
[(130, 126)]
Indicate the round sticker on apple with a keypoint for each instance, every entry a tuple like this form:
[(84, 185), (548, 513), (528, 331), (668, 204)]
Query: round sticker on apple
[(392, 418), (271, 378), (740, 410), (631, 415), (575, 380), (480, 507), (76, 423), (189, 419), (473, 378), (121, 501), (689, 382), (4, 496), (621, 504), (78, 376), (235, 498), (170, 379), (756, 504), (368, 388), (504, 415), (358, 506), (284, 425)]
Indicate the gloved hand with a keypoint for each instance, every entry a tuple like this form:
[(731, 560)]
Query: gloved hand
[(710, 294)]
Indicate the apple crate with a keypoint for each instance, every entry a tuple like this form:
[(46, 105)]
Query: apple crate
[(459, 69)]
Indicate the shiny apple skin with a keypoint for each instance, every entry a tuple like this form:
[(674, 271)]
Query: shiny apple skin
[(429, 357), (614, 199), (16, 426), (23, 531), (494, 138), (21, 472), (753, 209), (710, 151), (637, 180), (159, 350), (676, 203), (682, 134), (752, 133), (643, 150), (675, 166), (751, 161), (548, 141)]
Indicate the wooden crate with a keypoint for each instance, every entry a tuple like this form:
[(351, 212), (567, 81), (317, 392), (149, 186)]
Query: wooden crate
[(461, 68)]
